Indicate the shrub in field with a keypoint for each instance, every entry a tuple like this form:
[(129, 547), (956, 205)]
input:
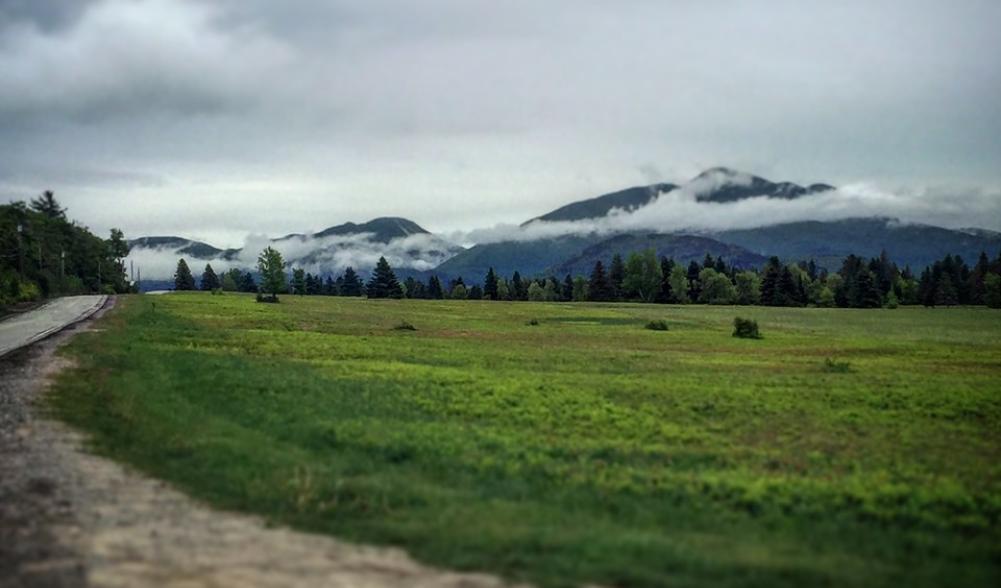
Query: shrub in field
[(533, 323), (404, 326), (745, 328), (837, 367), (658, 325), (267, 299)]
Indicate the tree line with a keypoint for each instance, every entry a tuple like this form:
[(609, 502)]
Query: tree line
[(643, 277), (43, 253)]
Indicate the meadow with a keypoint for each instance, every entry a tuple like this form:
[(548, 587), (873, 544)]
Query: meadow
[(565, 444)]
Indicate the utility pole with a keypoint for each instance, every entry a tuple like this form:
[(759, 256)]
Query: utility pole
[(20, 253)]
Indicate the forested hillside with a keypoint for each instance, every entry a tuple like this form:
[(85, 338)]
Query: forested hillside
[(43, 253)]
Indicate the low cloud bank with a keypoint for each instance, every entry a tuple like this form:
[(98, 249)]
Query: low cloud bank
[(324, 255), (678, 210)]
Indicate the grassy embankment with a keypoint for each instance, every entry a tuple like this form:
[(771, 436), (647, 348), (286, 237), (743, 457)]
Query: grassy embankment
[(584, 448)]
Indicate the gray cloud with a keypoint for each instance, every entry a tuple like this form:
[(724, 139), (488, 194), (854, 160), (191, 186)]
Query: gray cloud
[(266, 117)]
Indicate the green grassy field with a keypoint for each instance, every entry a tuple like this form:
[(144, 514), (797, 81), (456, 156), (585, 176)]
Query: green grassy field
[(581, 449)]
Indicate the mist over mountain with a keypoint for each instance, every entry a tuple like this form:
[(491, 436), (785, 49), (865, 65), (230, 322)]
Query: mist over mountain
[(724, 212)]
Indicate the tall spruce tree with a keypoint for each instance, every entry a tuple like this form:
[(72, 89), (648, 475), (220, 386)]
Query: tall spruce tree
[(210, 281), (598, 287), (770, 292), (383, 283), (183, 280), (435, 291), (616, 274), (490, 285), (665, 296), (519, 290), (566, 294), (351, 284)]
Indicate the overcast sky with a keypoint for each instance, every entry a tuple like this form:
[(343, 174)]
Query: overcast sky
[(215, 119)]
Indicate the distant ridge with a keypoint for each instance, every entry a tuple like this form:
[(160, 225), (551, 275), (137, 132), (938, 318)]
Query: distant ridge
[(629, 199)]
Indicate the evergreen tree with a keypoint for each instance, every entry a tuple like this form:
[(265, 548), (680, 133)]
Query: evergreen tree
[(616, 274), (183, 280), (708, 262), (980, 271), (789, 291), (665, 295), (566, 293), (271, 266), (330, 287), (693, 280), (490, 285), (247, 283), (599, 289), (383, 283), (46, 204), (475, 292), (410, 287), (519, 291), (770, 291), (210, 281), (992, 290), (298, 284), (721, 266), (351, 284), (435, 291), (867, 291), (945, 292)]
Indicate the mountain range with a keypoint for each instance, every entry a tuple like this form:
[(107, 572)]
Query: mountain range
[(415, 251)]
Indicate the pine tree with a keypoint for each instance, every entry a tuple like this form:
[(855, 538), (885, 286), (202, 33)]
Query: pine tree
[(599, 289), (330, 287), (992, 290), (475, 292), (693, 280), (183, 280), (490, 285), (247, 283), (435, 291), (770, 291), (519, 291), (351, 284), (867, 291), (210, 281), (47, 205), (383, 283), (566, 295), (665, 295), (980, 271), (298, 284), (616, 274)]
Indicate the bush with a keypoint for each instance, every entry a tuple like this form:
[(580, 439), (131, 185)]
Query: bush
[(745, 328), (268, 299), (533, 323), (837, 367), (217, 291), (658, 325), (404, 326)]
